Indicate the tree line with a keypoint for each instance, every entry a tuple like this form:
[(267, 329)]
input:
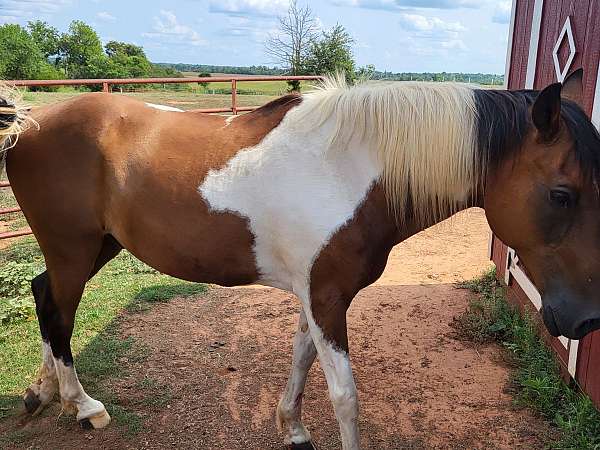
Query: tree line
[(39, 51)]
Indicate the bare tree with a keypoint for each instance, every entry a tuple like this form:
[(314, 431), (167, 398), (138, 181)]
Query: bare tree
[(291, 45)]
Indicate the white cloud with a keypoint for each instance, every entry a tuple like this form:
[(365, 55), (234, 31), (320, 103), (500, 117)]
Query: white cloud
[(395, 5), (106, 17), (430, 26), (502, 12), (432, 36), (168, 30), (31, 8), (249, 7)]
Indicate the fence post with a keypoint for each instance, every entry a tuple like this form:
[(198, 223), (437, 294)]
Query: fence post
[(105, 87), (234, 97)]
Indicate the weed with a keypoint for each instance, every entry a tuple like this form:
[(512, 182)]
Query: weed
[(130, 420), (164, 293), (25, 250), (16, 310), (15, 278), (155, 394)]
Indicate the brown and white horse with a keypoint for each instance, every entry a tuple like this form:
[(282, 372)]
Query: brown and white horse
[(308, 194)]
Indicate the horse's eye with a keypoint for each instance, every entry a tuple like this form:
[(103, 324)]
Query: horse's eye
[(561, 198)]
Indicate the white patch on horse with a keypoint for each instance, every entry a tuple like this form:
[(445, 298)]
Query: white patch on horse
[(164, 107), (289, 409), (229, 120), (295, 193), (72, 396)]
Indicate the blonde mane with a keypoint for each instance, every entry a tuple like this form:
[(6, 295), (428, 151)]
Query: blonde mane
[(424, 135)]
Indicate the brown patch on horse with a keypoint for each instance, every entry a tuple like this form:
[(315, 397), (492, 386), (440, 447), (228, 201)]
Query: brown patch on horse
[(132, 163), (353, 258)]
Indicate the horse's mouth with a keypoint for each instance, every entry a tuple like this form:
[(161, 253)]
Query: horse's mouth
[(550, 321)]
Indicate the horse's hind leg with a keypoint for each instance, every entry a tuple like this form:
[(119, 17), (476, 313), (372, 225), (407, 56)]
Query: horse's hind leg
[(40, 393), (289, 410), (57, 293)]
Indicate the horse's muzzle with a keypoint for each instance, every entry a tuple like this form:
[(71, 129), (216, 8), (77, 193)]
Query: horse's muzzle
[(571, 326)]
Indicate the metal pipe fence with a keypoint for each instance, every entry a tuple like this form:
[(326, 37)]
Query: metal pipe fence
[(106, 84)]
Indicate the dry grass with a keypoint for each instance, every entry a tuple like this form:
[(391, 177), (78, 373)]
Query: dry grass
[(184, 99)]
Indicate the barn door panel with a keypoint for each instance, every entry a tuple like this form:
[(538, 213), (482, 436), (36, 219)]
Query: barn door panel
[(523, 16)]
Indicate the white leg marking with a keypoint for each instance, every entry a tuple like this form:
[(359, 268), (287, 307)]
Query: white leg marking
[(340, 382), (74, 397), (47, 383), (289, 410)]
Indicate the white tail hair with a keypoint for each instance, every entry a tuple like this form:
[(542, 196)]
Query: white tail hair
[(424, 134), (14, 119)]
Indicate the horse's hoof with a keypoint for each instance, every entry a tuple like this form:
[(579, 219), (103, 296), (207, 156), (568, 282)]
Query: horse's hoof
[(95, 422), (304, 446), (32, 402)]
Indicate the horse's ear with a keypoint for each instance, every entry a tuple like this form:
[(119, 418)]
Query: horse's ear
[(546, 111), (573, 87)]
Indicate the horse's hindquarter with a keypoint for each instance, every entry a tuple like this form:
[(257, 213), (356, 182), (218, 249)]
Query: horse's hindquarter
[(158, 214)]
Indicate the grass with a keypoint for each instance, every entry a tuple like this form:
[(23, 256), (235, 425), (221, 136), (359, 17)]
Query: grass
[(536, 379), (100, 352)]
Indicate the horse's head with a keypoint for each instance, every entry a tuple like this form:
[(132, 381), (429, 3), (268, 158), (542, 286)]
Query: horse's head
[(543, 201)]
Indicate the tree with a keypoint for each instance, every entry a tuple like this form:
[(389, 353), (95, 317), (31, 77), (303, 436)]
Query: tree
[(291, 46), (204, 84), (115, 48), (332, 54), (45, 37), (82, 50), (20, 58), (366, 73)]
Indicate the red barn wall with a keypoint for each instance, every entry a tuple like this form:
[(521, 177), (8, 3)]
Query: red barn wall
[(585, 22)]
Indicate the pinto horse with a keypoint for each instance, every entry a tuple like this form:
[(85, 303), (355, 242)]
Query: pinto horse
[(308, 194)]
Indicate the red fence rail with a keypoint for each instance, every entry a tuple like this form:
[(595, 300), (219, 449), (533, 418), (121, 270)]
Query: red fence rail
[(106, 84)]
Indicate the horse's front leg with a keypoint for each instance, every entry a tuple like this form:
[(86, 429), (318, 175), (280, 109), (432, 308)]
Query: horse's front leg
[(289, 410), (326, 318)]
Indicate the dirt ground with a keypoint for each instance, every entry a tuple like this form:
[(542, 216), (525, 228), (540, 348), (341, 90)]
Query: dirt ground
[(419, 387)]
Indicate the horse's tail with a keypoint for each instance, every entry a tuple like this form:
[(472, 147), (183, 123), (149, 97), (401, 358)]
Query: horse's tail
[(14, 119)]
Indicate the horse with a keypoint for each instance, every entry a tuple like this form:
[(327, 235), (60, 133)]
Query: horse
[(309, 194)]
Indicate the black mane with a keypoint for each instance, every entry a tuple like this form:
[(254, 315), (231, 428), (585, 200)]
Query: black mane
[(504, 119)]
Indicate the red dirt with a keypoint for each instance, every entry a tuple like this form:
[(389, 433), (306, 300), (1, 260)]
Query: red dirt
[(419, 387)]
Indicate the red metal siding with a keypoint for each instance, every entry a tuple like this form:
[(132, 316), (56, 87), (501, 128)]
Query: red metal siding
[(499, 254), (585, 23), (520, 46)]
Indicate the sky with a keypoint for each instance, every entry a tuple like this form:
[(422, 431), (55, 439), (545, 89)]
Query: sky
[(393, 35)]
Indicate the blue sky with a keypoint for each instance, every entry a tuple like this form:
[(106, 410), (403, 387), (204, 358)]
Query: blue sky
[(396, 35)]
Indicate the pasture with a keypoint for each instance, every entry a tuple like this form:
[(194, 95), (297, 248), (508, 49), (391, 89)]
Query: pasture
[(184, 96)]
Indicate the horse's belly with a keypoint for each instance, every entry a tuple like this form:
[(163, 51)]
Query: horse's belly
[(187, 241)]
